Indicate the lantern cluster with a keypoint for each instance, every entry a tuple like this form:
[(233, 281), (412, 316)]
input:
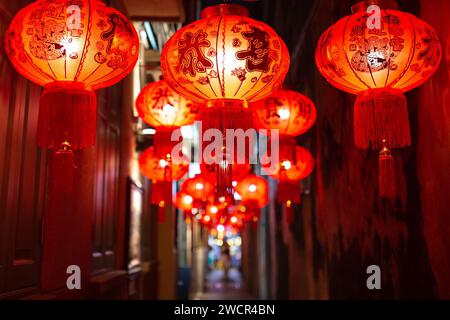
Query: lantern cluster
[(225, 60)]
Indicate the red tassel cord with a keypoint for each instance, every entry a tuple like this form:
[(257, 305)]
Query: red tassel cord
[(161, 195), (289, 212), (67, 113), (163, 143), (289, 191), (60, 175), (387, 182), (381, 114), (223, 115)]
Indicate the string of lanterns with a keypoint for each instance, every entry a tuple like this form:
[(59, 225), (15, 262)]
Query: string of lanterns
[(226, 70)]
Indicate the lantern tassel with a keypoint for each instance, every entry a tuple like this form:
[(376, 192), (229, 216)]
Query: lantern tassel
[(61, 166), (381, 114), (67, 113), (387, 183), (161, 195), (289, 212), (162, 213), (223, 114)]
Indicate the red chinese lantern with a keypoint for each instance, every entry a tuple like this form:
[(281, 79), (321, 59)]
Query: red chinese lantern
[(184, 201), (290, 112), (71, 48), (165, 110), (162, 171), (379, 60), (225, 60), (254, 191), (295, 166), (199, 187), (292, 168)]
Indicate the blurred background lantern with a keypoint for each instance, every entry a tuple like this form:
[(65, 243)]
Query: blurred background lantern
[(254, 191), (294, 167), (199, 187), (162, 171), (91, 47), (290, 112), (379, 64), (165, 110), (184, 201), (225, 60)]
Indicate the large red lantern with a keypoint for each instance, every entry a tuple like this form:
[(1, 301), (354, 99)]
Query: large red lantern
[(165, 110), (378, 60), (225, 60), (289, 112), (71, 48)]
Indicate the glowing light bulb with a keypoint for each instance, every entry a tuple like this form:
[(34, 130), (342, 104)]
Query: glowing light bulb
[(187, 199), (207, 218), (213, 210), (233, 219), (286, 164), (252, 188), (284, 114), (162, 163), (169, 111), (234, 184), (199, 186), (220, 228)]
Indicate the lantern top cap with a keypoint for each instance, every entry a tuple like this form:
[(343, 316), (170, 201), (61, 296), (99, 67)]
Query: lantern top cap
[(224, 9), (383, 4)]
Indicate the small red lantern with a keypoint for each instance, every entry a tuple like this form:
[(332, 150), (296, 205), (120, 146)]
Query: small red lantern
[(184, 201), (165, 110), (199, 187), (162, 170), (225, 60), (295, 165), (254, 191), (290, 112), (379, 61), (71, 48)]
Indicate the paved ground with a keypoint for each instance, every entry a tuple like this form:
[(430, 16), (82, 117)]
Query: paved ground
[(219, 288)]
